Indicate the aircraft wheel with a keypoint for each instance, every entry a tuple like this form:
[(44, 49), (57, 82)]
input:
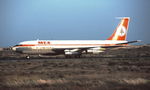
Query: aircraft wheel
[(28, 57), (77, 56), (67, 56), (73, 56)]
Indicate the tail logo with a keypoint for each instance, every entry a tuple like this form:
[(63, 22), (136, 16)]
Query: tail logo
[(122, 31)]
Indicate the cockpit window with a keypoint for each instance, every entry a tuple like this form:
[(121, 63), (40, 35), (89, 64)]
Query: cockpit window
[(17, 45)]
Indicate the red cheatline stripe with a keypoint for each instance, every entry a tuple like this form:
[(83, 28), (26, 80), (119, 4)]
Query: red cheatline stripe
[(26, 45), (80, 44), (23, 45)]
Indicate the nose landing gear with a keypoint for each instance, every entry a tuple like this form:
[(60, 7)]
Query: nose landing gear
[(27, 57)]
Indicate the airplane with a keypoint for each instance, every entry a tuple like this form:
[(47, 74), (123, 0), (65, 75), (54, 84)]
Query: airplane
[(75, 48)]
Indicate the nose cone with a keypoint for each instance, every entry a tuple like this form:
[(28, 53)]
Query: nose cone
[(14, 48)]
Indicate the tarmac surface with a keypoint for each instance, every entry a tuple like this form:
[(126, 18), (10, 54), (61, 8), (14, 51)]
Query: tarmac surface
[(125, 68)]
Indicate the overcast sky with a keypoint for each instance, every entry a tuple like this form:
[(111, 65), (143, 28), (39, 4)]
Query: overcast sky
[(22, 20)]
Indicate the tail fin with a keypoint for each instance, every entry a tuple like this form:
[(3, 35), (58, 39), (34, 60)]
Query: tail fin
[(121, 31)]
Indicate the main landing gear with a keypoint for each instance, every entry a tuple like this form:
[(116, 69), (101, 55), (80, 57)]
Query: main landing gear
[(73, 56)]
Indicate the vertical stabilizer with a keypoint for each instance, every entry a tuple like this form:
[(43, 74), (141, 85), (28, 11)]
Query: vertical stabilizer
[(121, 31)]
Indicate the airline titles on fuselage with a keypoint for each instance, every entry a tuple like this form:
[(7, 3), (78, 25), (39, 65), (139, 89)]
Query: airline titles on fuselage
[(44, 42)]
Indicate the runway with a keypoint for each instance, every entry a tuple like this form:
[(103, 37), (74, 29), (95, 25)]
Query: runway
[(108, 71)]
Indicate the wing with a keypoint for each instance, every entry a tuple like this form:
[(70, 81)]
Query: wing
[(120, 44), (79, 50)]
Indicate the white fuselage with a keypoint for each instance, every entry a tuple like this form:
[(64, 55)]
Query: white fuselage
[(47, 46), (54, 44)]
